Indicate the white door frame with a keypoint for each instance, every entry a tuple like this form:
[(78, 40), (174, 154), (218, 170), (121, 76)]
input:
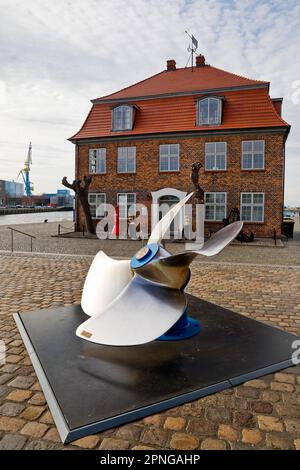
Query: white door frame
[(156, 195)]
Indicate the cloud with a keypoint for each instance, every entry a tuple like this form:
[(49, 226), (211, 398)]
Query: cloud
[(56, 56)]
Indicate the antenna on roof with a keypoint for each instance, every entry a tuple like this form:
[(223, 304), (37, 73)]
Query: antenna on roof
[(192, 49)]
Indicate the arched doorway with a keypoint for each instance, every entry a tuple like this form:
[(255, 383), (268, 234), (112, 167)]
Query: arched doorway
[(167, 197)]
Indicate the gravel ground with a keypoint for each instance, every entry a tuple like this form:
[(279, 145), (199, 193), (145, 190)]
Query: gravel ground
[(45, 242)]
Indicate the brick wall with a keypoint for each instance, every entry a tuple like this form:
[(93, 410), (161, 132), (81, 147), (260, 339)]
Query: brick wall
[(233, 181)]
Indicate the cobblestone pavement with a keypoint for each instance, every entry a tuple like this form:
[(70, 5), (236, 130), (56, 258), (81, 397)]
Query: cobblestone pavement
[(46, 243), (260, 414)]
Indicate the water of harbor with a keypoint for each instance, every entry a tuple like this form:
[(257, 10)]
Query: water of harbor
[(36, 217)]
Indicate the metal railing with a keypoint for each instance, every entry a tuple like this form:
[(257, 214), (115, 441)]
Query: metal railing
[(23, 233), (60, 226)]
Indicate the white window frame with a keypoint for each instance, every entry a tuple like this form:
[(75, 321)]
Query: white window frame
[(201, 122), (98, 216), (100, 156), (119, 156), (122, 127), (127, 205), (252, 204), (252, 152), (215, 168), (214, 204), (168, 155)]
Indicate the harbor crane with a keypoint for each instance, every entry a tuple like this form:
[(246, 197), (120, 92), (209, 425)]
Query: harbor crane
[(25, 172)]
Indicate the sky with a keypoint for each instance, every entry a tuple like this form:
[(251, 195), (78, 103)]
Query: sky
[(56, 56)]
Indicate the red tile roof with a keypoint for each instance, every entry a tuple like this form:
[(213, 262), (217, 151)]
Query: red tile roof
[(247, 104), (183, 81)]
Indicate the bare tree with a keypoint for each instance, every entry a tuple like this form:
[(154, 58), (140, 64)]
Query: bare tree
[(81, 189)]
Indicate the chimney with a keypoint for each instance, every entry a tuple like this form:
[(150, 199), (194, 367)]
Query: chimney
[(171, 65), (200, 60)]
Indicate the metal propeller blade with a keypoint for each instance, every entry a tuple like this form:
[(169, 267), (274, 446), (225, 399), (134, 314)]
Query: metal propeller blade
[(141, 313), (105, 280), (173, 270), (162, 226)]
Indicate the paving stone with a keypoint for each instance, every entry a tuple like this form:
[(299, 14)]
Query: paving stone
[(129, 432), (88, 442), (270, 423), (10, 424), (278, 441), (218, 415), (34, 429), (257, 383), (247, 392), (22, 382), (12, 442), (270, 395), (282, 387), (46, 418), (183, 441), (19, 395), (10, 368), (52, 435), (243, 418), (252, 436), (38, 444), (37, 399), (297, 444), (11, 409), (292, 426), (286, 378), (228, 433), (142, 447), (202, 426), (3, 390), (5, 378), (288, 410), (154, 420), (261, 407), (32, 413), (154, 436), (110, 443), (213, 444), (174, 424)]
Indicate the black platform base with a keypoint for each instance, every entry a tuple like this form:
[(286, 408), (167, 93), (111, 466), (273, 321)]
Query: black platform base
[(90, 388)]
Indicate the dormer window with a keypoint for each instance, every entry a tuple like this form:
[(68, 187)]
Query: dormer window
[(122, 119), (209, 111)]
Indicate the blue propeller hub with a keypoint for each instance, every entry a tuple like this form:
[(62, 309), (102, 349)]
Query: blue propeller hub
[(185, 327), (144, 255)]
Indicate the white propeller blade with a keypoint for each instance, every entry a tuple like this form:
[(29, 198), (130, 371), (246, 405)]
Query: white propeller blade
[(162, 226), (105, 280), (140, 314)]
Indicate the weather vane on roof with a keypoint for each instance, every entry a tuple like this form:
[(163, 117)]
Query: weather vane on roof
[(192, 49)]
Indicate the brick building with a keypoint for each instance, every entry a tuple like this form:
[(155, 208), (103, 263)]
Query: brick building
[(139, 143)]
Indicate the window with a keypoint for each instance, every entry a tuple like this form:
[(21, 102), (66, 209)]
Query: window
[(126, 159), (97, 160), (97, 203), (215, 206), (253, 154), (122, 118), (215, 155), (169, 157), (209, 111), (125, 201), (252, 207)]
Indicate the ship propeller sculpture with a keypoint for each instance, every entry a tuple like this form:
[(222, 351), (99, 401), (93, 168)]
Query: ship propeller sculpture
[(132, 302)]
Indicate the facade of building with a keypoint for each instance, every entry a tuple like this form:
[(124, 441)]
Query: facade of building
[(10, 189), (140, 142)]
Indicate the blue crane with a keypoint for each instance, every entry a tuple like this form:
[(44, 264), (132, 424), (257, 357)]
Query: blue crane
[(25, 172)]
